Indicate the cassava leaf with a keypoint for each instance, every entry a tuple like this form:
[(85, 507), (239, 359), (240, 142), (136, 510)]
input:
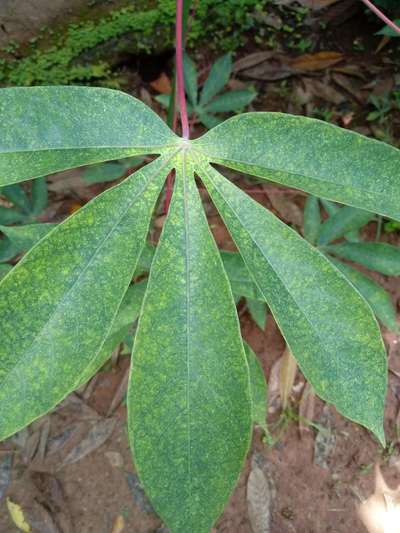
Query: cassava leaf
[(8, 215), (59, 302), (375, 294), (128, 313), (378, 256), (48, 129), (190, 74), (258, 312), (189, 388), (258, 386), (39, 197), (209, 121), (312, 219), (8, 249), (24, 237), (4, 269), (328, 326), (230, 101), (311, 155), (16, 195), (342, 222), (217, 79)]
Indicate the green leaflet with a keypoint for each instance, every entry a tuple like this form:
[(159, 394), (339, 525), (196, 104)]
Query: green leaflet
[(4, 269), (59, 302), (239, 277), (258, 385), (376, 296), (128, 313), (217, 79), (312, 219), (309, 154), (378, 256), (24, 237), (189, 405), (345, 220), (48, 129), (327, 325), (258, 312)]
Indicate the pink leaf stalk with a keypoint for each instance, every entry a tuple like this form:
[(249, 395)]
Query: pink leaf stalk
[(381, 15), (180, 81)]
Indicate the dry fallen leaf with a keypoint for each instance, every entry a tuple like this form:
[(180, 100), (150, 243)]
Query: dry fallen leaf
[(261, 494), (17, 516), (306, 409), (287, 375), (380, 513), (287, 209), (317, 61), (162, 84), (96, 437), (119, 525)]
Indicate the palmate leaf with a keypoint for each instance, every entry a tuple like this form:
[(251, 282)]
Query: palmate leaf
[(48, 129), (189, 398), (57, 305), (311, 155), (329, 328), (189, 404)]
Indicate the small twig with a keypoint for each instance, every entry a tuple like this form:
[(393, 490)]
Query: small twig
[(381, 15)]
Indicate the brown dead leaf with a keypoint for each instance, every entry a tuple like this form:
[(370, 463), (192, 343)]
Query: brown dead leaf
[(287, 375), (323, 91), (306, 409), (119, 524), (316, 5), (261, 493), (274, 398), (287, 209), (162, 84), (274, 67), (380, 513), (96, 437), (251, 60), (315, 62), (351, 86)]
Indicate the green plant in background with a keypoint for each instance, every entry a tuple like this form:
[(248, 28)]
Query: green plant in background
[(136, 29), (380, 257), (24, 211), (189, 385), (382, 105), (205, 104)]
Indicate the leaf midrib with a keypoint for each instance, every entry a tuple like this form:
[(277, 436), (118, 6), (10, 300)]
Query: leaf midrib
[(188, 322)]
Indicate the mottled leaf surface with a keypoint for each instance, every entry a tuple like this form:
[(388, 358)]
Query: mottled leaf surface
[(189, 397), (345, 220), (59, 302), (127, 314), (375, 294), (311, 155), (48, 129), (328, 326), (379, 256)]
